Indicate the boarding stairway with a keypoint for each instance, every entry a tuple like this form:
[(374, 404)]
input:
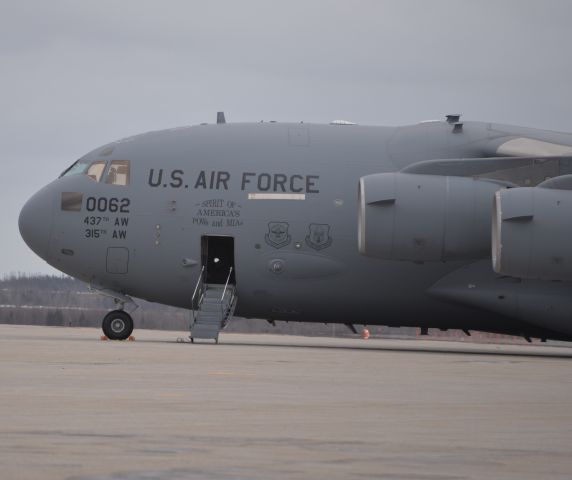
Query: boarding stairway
[(213, 306)]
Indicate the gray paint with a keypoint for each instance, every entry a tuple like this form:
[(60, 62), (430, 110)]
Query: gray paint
[(424, 218), (321, 275), (531, 233)]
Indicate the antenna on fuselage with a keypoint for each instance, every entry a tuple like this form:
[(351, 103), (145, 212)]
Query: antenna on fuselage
[(220, 117), (453, 117)]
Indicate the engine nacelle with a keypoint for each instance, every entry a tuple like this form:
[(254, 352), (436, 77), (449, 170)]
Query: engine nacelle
[(424, 218), (532, 233)]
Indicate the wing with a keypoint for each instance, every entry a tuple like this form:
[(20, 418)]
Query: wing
[(518, 171)]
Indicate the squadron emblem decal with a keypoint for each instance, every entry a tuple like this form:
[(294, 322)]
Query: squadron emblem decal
[(277, 235), (318, 236)]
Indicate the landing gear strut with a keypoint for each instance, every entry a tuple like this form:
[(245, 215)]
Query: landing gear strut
[(117, 325)]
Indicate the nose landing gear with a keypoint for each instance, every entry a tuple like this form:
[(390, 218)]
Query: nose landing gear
[(117, 325)]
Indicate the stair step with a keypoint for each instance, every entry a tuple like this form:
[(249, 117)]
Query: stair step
[(207, 315), (208, 321), (203, 314), (214, 323), (206, 326), (211, 311), (215, 292), (214, 309), (209, 308), (205, 334)]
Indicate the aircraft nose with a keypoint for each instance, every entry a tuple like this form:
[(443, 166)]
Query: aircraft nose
[(35, 221)]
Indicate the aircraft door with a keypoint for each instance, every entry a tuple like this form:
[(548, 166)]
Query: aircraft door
[(217, 256)]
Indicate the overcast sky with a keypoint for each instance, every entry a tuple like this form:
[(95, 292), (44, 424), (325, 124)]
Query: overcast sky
[(78, 74)]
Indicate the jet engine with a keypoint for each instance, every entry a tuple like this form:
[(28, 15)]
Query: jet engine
[(532, 233), (424, 218)]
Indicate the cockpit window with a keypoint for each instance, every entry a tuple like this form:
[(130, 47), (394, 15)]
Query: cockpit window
[(118, 173), (76, 169), (93, 170)]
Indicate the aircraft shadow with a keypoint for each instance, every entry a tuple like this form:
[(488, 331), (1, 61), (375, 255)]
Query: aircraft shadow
[(453, 350), (526, 351)]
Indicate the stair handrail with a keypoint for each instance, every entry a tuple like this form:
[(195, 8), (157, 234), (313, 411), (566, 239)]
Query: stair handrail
[(226, 284), (199, 282), (225, 309)]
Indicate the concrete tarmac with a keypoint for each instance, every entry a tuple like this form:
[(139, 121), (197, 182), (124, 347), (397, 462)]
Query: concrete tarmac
[(263, 406)]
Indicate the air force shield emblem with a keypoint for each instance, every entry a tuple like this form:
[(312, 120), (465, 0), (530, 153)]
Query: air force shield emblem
[(277, 235), (318, 236)]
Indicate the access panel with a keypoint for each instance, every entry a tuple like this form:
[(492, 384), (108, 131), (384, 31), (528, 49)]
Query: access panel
[(117, 260)]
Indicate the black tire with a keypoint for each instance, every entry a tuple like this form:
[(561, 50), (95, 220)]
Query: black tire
[(117, 325)]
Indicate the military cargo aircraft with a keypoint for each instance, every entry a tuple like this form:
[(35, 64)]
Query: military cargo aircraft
[(445, 224)]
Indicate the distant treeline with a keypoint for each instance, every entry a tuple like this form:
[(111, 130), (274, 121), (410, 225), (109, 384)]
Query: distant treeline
[(63, 301)]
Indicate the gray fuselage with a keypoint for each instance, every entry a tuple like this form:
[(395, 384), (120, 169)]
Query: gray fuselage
[(295, 253)]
